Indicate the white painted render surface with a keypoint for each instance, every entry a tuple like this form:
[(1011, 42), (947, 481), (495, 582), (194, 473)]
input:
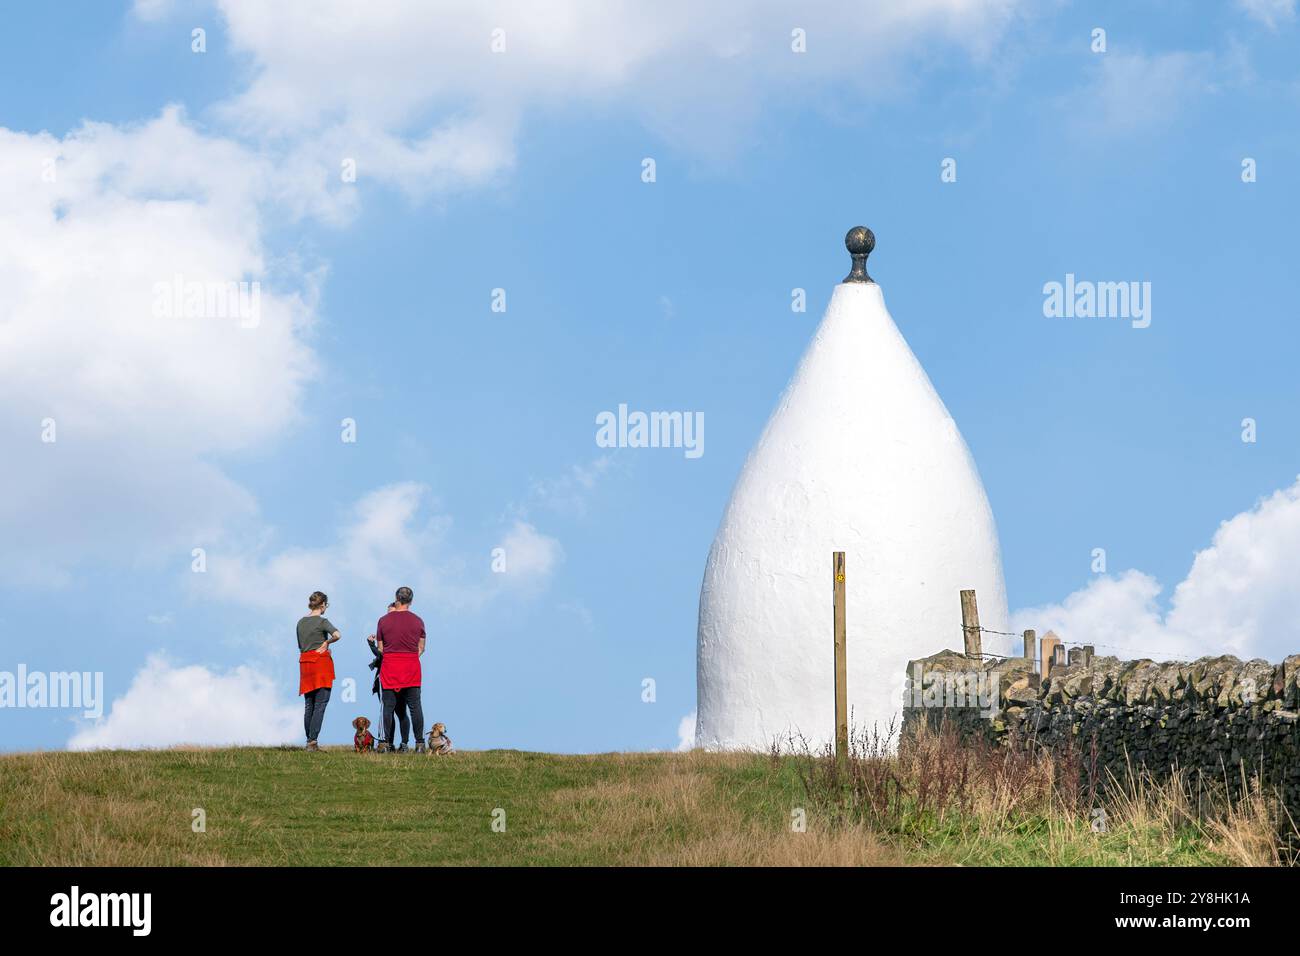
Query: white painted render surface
[(860, 456)]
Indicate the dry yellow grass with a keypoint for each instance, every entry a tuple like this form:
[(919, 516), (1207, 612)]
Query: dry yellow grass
[(973, 804), (60, 812), (706, 825)]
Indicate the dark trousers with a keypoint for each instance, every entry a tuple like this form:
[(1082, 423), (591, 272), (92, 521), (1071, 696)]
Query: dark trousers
[(314, 711), (405, 701)]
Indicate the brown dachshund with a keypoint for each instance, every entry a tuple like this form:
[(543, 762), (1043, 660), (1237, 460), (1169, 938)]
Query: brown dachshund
[(363, 740)]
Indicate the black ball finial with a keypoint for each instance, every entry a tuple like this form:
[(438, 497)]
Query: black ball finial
[(859, 241)]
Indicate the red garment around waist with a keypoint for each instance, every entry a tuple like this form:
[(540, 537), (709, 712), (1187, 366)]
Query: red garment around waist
[(315, 671), (399, 669)]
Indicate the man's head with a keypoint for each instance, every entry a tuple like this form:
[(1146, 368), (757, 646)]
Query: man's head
[(403, 598)]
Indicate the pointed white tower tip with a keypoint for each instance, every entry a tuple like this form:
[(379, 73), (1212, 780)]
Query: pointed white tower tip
[(859, 456)]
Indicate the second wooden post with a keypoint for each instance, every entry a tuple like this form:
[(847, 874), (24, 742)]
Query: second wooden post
[(970, 625)]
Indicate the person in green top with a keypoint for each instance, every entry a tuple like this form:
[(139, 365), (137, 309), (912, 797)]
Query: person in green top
[(315, 665), (315, 630)]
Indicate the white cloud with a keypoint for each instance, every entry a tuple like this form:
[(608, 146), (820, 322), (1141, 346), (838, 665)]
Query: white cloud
[(530, 556), (568, 494), (385, 539), (414, 91), (1121, 615), (168, 705), (152, 9), (91, 227), (393, 536), (583, 613), (1238, 597), (1271, 13), (686, 733), (1133, 93)]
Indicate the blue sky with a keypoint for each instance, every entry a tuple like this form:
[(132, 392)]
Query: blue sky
[(476, 429)]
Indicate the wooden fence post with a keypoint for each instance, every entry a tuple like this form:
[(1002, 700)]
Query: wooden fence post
[(841, 678), (970, 624)]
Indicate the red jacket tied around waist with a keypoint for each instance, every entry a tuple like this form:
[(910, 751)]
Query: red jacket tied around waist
[(400, 633), (315, 670)]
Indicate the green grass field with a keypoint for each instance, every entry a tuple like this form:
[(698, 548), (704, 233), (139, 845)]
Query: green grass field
[(267, 806)]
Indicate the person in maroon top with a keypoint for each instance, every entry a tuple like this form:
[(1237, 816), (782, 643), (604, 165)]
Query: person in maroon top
[(400, 638)]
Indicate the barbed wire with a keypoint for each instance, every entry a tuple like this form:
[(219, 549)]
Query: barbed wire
[(1127, 649), (989, 630)]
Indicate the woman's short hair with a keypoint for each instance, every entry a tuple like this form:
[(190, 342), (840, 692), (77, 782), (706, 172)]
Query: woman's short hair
[(405, 596), (317, 600)]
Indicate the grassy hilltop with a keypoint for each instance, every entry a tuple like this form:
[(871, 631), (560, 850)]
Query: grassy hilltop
[(268, 806)]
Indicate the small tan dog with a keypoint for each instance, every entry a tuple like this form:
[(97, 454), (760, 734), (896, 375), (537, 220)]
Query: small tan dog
[(439, 742), (363, 740)]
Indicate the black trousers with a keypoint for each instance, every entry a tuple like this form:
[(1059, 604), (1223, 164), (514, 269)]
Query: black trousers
[(406, 702)]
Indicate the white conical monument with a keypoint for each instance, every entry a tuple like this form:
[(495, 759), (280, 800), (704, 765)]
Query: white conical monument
[(860, 456)]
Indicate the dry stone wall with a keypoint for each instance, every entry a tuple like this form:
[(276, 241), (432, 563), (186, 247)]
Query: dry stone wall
[(1215, 717)]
